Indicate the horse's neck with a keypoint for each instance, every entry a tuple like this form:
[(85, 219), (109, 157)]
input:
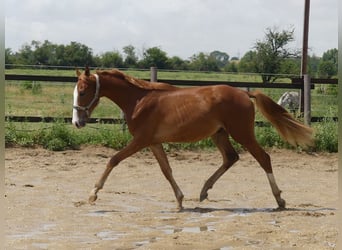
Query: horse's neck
[(123, 94)]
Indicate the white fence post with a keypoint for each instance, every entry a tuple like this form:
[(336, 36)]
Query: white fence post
[(307, 99), (154, 73)]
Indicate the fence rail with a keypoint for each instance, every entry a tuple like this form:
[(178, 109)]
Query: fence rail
[(296, 84), (49, 119)]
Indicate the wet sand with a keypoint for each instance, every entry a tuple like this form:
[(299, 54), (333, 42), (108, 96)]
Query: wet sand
[(47, 192)]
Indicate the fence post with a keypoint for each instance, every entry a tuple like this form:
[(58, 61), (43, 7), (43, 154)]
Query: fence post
[(307, 99), (154, 72)]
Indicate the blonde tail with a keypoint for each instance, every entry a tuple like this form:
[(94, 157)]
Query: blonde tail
[(288, 128)]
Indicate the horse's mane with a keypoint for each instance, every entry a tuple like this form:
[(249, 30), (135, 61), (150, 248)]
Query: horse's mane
[(135, 81)]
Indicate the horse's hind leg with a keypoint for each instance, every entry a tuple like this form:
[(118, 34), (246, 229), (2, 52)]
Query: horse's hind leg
[(161, 157), (220, 138), (265, 161)]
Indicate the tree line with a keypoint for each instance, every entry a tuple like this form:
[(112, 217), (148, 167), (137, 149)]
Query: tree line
[(269, 57)]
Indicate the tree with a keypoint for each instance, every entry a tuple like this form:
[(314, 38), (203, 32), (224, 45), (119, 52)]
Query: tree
[(327, 69), (131, 60), (248, 63), (77, 54), (232, 66), (46, 53), (290, 66), (203, 62), (154, 57), (25, 55), (177, 63), (221, 58), (111, 60), (9, 57), (328, 65), (272, 52), (313, 64)]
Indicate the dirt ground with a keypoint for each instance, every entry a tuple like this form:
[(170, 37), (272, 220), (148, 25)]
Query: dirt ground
[(47, 193)]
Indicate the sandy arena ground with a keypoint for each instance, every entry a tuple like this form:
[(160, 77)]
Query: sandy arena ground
[(47, 195)]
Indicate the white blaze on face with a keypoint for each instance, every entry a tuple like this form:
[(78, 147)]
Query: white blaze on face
[(75, 117)]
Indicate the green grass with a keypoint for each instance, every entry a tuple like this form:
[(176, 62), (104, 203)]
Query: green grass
[(60, 136)]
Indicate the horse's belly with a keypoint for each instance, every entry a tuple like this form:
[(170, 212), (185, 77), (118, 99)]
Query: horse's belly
[(186, 132)]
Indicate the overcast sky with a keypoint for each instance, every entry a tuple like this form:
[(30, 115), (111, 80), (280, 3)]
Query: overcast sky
[(179, 27)]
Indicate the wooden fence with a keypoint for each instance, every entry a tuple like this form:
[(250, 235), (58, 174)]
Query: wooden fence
[(304, 84)]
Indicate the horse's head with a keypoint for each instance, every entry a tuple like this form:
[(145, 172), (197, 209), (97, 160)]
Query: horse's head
[(86, 97)]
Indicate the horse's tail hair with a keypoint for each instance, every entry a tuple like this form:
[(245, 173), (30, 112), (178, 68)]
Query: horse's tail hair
[(288, 128)]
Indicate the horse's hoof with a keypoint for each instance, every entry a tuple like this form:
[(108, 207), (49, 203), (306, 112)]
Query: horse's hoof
[(92, 199), (281, 204), (203, 196)]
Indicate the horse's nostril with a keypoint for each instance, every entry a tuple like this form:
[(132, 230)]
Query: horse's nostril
[(80, 124)]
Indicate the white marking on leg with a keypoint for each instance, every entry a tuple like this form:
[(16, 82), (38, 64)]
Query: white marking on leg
[(271, 179), (75, 117), (276, 191), (273, 183)]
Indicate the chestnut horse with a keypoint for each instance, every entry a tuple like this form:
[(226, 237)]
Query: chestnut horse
[(159, 112)]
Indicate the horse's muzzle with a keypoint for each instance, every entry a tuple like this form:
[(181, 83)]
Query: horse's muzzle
[(79, 124)]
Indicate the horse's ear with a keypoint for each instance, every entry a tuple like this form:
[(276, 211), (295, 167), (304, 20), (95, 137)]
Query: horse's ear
[(87, 71), (78, 73)]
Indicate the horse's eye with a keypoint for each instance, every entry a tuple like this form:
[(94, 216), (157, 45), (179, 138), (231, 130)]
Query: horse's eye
[(82, 93)]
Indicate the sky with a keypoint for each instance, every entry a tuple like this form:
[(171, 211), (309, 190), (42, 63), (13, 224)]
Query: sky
[(178, 27)]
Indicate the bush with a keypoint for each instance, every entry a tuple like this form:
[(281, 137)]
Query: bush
[(58, 137), (326, 138), (268, 137), (112, 137), (17, 137), (61, 136)]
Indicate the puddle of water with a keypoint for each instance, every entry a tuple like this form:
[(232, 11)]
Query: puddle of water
[(275, 223), (253, 242), (237, 214), (172, 230), (198, 229), (109, 235), (41, 245), (33, 233), (145, 242), (332, 245), (48, 226), (24, 235), (97, 213), (294, 231)]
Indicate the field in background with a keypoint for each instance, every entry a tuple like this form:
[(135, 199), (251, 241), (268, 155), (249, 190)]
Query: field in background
[(162, 74), (55, 99), (48, 99)]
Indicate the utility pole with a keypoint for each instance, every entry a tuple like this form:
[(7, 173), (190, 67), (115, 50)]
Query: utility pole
[(304, 64), (304, 108)]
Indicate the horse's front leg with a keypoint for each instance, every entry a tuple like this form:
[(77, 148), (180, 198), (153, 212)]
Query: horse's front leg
[(130, 149), (161, 157)]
